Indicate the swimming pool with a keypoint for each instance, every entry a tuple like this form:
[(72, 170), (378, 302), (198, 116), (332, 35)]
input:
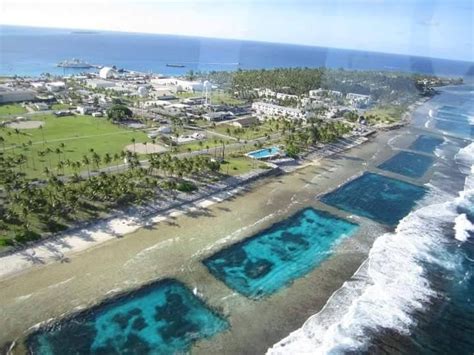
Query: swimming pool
[(264, 153)]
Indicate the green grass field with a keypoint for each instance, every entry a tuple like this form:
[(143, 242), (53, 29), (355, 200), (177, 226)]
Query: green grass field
[(60, 107), (239, 165), (385, 114), (79, 134), (248, 133), (11, 109)]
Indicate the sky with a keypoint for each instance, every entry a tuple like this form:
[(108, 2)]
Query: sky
[(431, 28)]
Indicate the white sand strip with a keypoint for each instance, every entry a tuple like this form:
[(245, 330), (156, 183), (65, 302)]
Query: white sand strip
[(59, 248)]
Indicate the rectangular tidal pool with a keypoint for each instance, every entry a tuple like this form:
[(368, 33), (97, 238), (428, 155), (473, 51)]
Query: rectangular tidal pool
[(426, 144), (377, 197), (407, 163), (161, 318), (262, 264)]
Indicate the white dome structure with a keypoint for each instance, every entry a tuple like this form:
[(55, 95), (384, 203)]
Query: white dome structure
[(107, 73), (142, 91)]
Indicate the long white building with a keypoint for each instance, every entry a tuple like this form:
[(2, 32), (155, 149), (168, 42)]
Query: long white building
[(264, 108)]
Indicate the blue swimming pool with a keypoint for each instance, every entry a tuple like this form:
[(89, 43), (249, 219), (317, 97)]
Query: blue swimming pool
[(408, 164), (274, 257), (162, 318), (375, 196), (264, 153)]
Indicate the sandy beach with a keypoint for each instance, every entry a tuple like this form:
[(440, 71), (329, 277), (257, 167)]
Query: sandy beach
[(174, 247)]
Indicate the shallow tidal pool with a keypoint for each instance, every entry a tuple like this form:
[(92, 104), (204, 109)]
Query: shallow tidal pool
[(262, 264)]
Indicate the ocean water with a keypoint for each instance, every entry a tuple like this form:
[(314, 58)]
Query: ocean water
[(408, 164), (162, 318), (377, 197), (426, 144), (273, 258), (144, 52), (414, 293), (457, 120)]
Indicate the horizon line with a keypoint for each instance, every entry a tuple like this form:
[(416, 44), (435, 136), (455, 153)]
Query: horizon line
[(236, 39)]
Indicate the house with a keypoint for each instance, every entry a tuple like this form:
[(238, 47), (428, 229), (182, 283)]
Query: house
[(245, 122), (97, 114), (264, 108)]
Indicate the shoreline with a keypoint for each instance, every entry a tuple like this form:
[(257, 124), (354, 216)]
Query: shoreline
[(96, 277), (78, 239), (58, 248)]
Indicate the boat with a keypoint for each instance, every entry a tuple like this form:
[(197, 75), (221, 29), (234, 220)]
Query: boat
[(175, 65), (74, 63)]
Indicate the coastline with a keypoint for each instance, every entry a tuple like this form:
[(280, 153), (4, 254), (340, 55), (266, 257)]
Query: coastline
[(270, 199)]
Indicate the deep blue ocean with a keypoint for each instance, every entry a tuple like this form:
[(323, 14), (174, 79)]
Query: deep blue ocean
[(32, 51)]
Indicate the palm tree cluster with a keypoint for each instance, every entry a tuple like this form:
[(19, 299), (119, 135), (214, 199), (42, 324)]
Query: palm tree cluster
[(31, 208), (299, 138)]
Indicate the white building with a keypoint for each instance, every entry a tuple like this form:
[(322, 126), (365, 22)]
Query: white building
[(56, 86), (324, 93), (358, 100), (178, 84), (100, 84), (107, 73), (264, 108)]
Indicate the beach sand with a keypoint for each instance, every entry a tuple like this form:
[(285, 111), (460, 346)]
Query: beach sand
[(174, 247)]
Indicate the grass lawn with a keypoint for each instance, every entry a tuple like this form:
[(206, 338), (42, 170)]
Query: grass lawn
[(11, 109), (247, 133), (58, 107), (385, 114), (78, 133), (239, 165), (183, 148)]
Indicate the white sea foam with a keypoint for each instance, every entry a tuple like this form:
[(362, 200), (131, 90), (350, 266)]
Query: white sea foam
[(390, 284), (462, 227)]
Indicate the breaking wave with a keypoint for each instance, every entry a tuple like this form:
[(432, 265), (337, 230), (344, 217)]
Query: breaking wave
[(392, 283)]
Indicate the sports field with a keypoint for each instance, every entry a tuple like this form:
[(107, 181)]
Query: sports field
[(74, 136)]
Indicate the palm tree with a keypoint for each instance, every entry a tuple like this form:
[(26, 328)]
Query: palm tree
[(133, 141), (107, 159), (42, 133), (86, 161)]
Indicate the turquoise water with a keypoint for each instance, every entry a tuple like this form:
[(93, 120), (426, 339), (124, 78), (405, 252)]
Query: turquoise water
[(408, 164), (264, 153), (271, 259), (162, 318), (426, 144), (378, 197)]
